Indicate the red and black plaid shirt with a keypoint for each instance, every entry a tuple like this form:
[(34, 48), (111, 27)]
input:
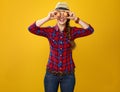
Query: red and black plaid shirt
[(60, 58)]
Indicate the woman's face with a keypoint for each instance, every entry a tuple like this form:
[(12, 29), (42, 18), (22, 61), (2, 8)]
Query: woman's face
[(62, 16)]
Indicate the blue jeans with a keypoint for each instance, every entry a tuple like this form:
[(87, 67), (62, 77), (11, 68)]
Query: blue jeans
[(51, 82)]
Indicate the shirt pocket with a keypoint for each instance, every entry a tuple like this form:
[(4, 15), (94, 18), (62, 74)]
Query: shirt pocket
[(53, 40)]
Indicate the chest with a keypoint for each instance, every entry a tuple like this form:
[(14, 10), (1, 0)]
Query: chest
[(59, 39)]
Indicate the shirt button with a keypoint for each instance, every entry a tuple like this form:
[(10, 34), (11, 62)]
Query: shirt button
[(61, 42), (60, 68), (61, 48), (60, 64), (61, 37)]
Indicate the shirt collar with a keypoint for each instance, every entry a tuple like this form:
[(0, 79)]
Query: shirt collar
[(57, 28)]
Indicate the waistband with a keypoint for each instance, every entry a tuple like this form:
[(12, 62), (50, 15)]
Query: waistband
[(60, 73)]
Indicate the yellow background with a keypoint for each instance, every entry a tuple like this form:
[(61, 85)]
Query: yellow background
[(23, 56)]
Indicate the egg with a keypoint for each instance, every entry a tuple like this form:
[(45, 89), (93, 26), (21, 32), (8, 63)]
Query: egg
[(65, 14), (58, 14)]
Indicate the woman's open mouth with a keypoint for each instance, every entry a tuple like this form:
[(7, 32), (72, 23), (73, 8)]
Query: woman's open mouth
[(61, 20)]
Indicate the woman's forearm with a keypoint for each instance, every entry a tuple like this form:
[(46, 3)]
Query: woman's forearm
[(83, 24), (42, 21), (49, 17)]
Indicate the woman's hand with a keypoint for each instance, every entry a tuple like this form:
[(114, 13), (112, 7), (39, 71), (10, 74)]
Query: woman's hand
[(71, 16), (55, 15), (52, 15)]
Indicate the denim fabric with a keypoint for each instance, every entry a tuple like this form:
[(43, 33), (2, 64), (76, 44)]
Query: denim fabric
[(51, 82)]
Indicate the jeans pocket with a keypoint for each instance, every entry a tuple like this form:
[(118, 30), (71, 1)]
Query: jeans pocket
[(50, 75), (72, 75)]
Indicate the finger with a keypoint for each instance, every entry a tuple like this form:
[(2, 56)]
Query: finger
[(53, 12), (69, 18), (55, 17), (72, 14), (51, 15)]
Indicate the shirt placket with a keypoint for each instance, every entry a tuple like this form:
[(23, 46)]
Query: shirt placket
[(60, 51)]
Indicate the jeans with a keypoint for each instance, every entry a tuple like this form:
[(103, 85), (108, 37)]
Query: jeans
[(51, 82)]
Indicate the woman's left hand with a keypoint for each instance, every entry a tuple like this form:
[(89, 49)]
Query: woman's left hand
[(71, 16)]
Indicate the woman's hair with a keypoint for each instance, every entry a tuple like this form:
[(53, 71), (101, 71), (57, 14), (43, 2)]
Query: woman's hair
[(73, 45), (59, 7)]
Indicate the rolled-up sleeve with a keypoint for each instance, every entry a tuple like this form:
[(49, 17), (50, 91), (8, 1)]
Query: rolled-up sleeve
[(80, 32), (41, 31)]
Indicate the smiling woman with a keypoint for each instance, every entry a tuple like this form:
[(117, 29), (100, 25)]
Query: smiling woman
[(61, 67), (23, 55)]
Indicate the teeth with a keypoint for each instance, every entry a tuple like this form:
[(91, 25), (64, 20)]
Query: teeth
[(61, 19)]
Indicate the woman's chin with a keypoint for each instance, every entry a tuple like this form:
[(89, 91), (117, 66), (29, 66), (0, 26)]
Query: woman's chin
[(62, 23)]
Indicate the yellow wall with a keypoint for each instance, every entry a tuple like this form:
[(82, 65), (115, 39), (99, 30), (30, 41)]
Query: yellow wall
[(23, 56)]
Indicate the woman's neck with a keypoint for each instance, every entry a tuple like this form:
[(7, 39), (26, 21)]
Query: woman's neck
[(61, 27)]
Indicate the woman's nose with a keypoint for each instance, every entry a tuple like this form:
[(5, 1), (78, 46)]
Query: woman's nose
[(62, 13), (65, 14)]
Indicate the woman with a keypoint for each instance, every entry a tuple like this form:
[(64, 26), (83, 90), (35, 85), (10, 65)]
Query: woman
[(60, 68)]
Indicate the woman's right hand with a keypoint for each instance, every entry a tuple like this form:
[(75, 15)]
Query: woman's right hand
[(52, 15)]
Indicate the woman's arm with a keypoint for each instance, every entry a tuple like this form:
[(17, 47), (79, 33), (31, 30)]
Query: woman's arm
[(83, 24), (49, 17), (72, 16), (41, 21), (41, 31), (76, 32)]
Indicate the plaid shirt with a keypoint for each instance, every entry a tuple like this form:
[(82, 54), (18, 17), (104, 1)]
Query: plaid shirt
[(60, 58)]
